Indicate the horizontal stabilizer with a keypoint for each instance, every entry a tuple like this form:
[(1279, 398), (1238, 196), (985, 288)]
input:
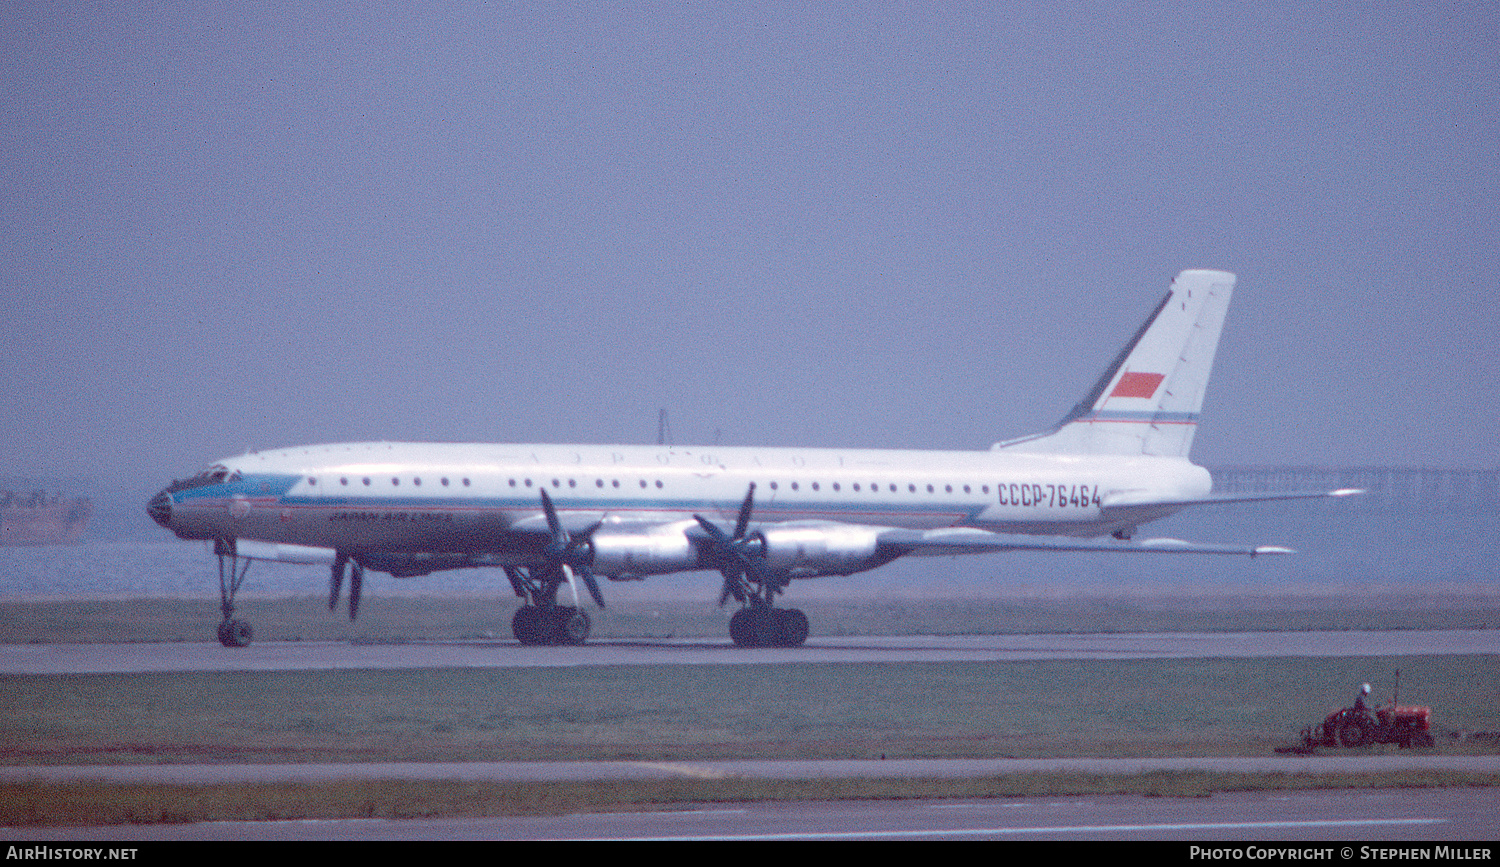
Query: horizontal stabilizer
[(1124, 502)]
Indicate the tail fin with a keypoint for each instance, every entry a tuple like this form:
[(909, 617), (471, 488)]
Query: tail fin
[(1147, 402)]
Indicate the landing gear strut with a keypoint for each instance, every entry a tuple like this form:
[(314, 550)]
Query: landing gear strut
[(341, 560), (741, 559), (232, 632), (759, 623), (541, 621)]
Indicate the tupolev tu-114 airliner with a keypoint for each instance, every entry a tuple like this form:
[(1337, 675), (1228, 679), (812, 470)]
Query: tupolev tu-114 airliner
[(552, 516)]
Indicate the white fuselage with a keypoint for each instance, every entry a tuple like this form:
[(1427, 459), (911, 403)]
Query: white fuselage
[(452, 497)]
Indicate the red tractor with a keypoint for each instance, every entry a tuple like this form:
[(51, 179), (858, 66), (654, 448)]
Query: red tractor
[(1389, 724)]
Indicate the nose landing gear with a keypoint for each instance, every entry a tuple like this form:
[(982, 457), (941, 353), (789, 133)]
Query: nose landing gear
[(232, 632)]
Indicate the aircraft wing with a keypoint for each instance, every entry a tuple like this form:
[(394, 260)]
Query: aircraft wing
[(282, 553), (967, 540)]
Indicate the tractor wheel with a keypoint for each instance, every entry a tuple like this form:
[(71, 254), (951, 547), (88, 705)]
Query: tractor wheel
[(1353, 733)]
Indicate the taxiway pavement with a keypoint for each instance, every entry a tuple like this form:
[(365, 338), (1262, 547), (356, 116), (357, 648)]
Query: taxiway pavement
[(36, 659), (1325, 823)]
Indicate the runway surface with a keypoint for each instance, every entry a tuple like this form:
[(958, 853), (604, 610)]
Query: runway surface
[(29, 659), (1337, 825)]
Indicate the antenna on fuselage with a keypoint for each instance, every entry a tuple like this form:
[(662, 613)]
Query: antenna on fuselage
[(663, 428)]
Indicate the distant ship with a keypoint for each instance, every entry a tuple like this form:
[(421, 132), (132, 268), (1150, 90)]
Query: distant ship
[(39, 518)]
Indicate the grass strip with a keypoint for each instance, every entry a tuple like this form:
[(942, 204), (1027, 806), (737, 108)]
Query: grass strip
[(77, 804), (1048, 708)]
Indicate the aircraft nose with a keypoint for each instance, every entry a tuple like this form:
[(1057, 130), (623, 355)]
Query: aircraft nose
[(160, 509)]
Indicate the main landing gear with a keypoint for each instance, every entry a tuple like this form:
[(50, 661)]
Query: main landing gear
[(542, 621), (764, 626), (741, 559), (550, 625)]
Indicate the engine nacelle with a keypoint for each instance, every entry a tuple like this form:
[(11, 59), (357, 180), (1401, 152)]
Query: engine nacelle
[(805, 552), (637, 554)]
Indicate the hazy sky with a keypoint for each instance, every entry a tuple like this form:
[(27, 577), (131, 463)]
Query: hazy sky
[(908, 225)]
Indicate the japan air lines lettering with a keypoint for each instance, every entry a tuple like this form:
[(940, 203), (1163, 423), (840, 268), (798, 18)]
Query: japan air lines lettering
[(376, 515)]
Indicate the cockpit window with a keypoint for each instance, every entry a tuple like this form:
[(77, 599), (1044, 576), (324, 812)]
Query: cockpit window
[(216, 474)]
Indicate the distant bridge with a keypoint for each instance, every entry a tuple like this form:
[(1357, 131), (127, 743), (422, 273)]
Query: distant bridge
[(1408, 488)]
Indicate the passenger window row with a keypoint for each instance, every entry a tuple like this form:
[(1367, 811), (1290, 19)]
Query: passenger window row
[(856, 487)]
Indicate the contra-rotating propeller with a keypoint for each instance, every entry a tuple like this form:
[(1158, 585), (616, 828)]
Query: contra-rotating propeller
[(336, 580), (572, 551), (738, 555)]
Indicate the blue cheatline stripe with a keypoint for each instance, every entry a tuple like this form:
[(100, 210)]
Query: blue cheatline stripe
[(250, 486), (1139, 416)]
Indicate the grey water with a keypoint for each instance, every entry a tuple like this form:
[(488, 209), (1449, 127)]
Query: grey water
[(1400, 539)]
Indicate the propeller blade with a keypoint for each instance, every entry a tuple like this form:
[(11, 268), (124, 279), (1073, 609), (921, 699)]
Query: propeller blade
[(336, 579), (356, 585), (571, 551), (743, 522), (579, 554), (590, 582), (732, 552), (713, 530), (732, 587), (553, 524)]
